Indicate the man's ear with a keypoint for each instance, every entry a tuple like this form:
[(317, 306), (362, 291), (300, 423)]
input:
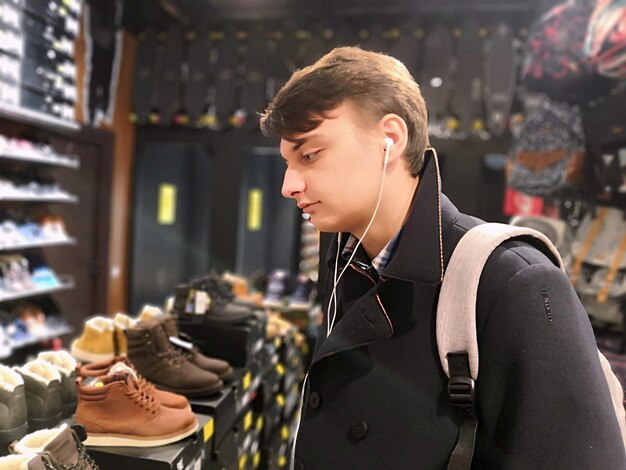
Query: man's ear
[(394, 128)]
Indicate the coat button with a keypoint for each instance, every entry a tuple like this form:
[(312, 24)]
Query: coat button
[(359, 430), (298, 465), (314, 400)]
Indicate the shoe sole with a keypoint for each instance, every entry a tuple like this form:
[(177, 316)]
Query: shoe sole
[(195, 393), (125, 440), (86, 356), (13, 434)]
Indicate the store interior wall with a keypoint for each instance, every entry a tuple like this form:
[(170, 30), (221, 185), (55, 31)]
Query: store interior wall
[(466, 180)]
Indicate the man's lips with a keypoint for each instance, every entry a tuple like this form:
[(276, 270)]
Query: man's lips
[(306, 207)]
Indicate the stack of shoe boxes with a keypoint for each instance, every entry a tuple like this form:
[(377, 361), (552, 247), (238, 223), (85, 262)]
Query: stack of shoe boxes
[(187, 454), (37, 67)]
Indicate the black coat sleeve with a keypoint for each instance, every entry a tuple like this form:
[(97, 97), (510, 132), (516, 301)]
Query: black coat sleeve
[(543, 400)]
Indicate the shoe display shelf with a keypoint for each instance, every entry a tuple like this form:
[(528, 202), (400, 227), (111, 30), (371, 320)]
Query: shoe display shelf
[(51, 333), (38, 244), (65, 283), (32, 155), (60, 197), (28, 156)]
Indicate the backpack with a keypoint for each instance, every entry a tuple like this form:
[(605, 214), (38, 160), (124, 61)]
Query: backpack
[(555, 63), (456, 329), (548, 154)]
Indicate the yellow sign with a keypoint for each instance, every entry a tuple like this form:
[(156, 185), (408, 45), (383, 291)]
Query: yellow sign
[(245, 382), (167, 204), (247, 420), (242, 461), (255, 209), (208, 430), (256, 460)]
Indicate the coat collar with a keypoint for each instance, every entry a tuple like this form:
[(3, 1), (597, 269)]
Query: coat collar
[(419, 253)]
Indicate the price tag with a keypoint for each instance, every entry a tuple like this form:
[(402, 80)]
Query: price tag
[(202, 302)]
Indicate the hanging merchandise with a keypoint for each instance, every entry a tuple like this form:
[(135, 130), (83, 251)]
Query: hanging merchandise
[(103, 52), (169, 86), (500, 78), (406, 46), (467, 102), (598, 270), (225, 78), (371, 39), (146, 75), (253, 90), (238, 114), (555, 62), (436, 76), (208, 115), (605, 43), (548, 154), (198, 63)]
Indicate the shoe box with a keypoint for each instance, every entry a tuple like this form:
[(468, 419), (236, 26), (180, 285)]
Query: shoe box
[(237, 344), (224, 455), (186, 454), (223, 410)]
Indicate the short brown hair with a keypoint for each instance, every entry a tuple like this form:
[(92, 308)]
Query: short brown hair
[(376, 84)]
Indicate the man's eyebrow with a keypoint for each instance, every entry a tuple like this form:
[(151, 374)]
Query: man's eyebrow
[(301, 141)]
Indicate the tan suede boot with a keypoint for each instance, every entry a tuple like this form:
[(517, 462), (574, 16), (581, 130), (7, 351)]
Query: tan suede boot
[(115, 411), (97, 342), (168, 399)]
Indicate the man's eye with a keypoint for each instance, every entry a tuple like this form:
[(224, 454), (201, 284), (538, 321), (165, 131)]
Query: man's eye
[(310, 156)]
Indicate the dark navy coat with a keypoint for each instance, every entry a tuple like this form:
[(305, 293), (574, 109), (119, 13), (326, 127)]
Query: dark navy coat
[(375, 394)]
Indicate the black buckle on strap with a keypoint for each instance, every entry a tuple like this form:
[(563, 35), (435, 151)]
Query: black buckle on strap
[(462, 392)]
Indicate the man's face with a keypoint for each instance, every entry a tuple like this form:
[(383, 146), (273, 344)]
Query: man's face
[(334, 171)]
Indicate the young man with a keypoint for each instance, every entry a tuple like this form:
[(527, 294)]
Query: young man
[(353, 130)]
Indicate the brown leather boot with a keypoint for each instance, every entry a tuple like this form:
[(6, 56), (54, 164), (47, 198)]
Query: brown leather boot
[(160, 362), (170, 400), (115, 411), (221, 368)]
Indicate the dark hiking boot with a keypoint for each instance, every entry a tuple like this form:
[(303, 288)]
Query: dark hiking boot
[(151, 352)]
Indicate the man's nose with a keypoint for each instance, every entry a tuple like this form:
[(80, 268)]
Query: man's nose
[(293, 183)]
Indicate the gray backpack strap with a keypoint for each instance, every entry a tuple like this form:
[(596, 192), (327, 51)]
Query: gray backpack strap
[(456, 311), (456, 324)]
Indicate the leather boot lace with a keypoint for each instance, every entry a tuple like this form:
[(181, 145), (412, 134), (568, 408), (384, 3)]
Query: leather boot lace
[(144, 400), (173, 356)]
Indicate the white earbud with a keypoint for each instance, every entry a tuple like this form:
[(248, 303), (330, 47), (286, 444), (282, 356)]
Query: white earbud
[(388, 144)]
